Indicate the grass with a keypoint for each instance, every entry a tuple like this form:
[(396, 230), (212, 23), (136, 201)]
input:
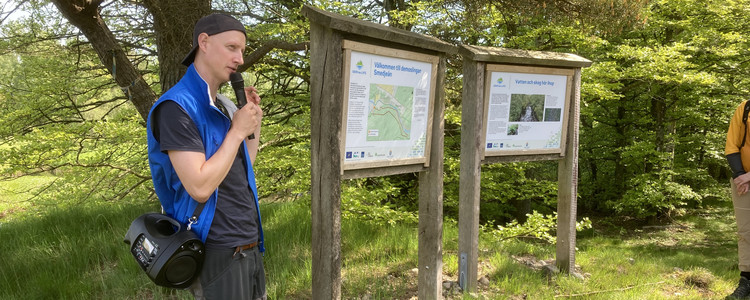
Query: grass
[(76, 252), (14, 193)]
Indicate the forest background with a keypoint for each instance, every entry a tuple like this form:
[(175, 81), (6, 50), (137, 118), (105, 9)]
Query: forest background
[(78, 77)]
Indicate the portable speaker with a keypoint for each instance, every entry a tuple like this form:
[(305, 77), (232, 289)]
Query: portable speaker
[(171, 255)]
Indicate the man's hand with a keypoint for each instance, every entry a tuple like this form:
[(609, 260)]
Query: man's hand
[(251, 94), (742, 183), (742, 189), (742, 179), (245, 120)]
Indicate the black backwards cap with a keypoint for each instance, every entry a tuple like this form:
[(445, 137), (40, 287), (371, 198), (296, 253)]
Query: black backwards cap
[(211, 24)]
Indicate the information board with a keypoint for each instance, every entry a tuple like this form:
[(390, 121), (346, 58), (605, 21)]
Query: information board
[(525, 110), (388, 106)]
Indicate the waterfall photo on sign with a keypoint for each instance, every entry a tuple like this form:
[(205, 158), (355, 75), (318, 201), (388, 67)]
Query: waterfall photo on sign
[(526, 108)]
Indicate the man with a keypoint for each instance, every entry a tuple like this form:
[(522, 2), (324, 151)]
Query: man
[(737, 152), (197, 155)]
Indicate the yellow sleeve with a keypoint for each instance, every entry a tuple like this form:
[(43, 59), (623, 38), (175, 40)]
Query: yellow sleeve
[(735, 132)]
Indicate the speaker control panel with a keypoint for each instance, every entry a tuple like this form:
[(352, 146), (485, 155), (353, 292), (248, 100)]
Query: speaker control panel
[(144, 251)]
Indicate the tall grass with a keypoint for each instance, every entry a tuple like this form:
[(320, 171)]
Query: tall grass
[(77, 252), (72, 253), (15, 193)]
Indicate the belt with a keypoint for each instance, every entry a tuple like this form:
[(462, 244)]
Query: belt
[(239, 249)]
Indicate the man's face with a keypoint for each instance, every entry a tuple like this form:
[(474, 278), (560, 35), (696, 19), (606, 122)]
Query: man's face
[(223, 53)]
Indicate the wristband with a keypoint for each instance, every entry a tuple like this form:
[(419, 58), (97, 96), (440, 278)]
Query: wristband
[(735, 163)]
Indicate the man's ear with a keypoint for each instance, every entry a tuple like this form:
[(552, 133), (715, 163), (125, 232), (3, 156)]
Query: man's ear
[(202, 41)]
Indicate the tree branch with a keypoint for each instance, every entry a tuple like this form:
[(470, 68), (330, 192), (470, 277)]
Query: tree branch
[(86, 17), (257, 54)]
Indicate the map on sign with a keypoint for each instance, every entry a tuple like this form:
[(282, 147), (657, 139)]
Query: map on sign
[(388, 106), (390, 112)]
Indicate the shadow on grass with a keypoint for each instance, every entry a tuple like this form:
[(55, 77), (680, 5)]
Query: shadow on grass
[(74, 253), (625, 260), (78, 252), (703, 238)]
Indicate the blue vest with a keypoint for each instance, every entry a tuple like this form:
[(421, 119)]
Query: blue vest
[(191, 93)]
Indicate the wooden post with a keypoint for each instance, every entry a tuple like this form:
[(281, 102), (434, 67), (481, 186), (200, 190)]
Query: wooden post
[(567, 186), (430, 233), (470, 174), (326, 108)]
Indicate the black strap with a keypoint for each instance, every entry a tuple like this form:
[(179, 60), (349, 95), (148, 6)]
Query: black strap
[(196, 213), (744, 122), (223, 109)]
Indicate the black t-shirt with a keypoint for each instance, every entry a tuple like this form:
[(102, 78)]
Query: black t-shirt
[(236, 220)]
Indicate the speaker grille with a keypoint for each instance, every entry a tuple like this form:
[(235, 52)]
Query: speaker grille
[(181, 269)]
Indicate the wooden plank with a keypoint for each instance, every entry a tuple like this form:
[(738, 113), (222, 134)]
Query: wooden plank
[(384, 163), (569, 94), (390, 52), (376, 31), (488, 154), (523, 57), (519, 158), (529, 69), (470, 173), (383, 171), (430, 260), (344, 103), (437, 91), (567, 188), (326, 59)]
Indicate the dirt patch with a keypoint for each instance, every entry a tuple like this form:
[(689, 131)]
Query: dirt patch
[(8, 212), (698, 278)]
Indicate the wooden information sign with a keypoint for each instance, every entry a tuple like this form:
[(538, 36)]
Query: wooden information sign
[(344, 124), (517, 106)]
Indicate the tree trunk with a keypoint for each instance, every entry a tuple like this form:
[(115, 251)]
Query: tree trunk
[(593, 170), (391, 6), (658, 111), (664, 130), (85, 15), (619, 178), (174, 21)]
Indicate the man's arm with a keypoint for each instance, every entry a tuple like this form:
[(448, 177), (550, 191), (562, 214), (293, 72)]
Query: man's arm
[(202, 177), (251, 94), (252, 146)]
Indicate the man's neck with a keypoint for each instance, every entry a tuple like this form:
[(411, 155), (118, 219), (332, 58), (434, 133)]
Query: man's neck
[(213, 87)]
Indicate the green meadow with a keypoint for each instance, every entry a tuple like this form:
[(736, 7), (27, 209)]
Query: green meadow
[(76, 251)]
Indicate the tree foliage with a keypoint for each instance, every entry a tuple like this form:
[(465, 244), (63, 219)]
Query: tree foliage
[(60, 116), (656, 107), (81, 110), (78, 77)]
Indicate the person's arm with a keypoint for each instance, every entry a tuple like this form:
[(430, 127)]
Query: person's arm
[(202, 177), (735, 164), (732, 150), (740, 177), (252, 146), (251, 94)]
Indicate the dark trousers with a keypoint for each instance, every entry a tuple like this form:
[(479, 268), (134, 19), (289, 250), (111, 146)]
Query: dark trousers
[(230, 275)]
